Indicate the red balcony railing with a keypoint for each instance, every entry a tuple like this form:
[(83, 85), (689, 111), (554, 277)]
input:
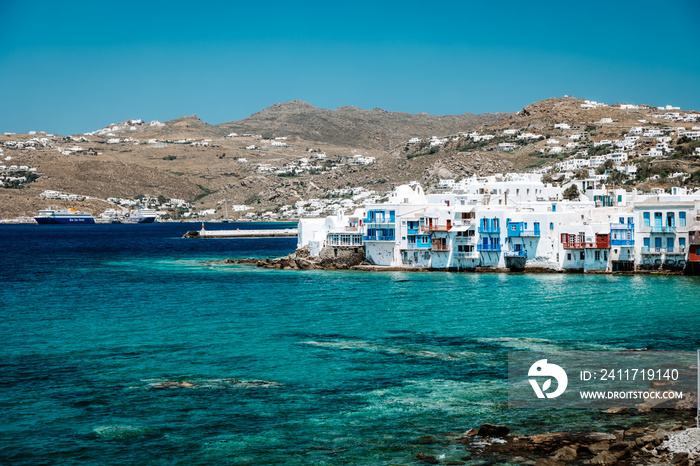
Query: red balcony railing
[(574, 242)]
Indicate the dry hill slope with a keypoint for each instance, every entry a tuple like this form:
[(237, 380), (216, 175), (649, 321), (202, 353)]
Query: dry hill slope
[(352, 126)]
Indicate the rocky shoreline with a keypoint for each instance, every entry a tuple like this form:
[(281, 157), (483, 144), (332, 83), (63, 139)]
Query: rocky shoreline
[(495, 444), (353, 259)]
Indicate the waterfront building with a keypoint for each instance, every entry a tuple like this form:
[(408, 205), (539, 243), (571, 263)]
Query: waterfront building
[(664, 230), (516, 222)]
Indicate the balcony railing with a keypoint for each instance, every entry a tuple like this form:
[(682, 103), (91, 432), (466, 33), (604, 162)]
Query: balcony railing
[(440, 248), (517, 232), (622, 226), (521, 253), (679, 250), (390, 238), (622, 242), (412, 231), (489, 230), (694, 239), (488, 247), (435, 227), (666, 229), (604, 244), (463, 222), (379, 221), (464, 239), (465, 255), (352, 241), (672, 250), (419, 246)]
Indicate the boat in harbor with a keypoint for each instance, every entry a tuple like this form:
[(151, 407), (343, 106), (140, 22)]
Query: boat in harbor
[(61, 217), (143, 216)]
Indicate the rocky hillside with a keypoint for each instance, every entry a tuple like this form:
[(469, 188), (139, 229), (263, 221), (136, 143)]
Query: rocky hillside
[(294, 151), (351, 126)]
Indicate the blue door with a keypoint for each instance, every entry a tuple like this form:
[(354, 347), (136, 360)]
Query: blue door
[(669, 244), (657, 243), (658, 219)]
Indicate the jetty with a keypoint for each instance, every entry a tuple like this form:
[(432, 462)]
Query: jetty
[(271, 233)]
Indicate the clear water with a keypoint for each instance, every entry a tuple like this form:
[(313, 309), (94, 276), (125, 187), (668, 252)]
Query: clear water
[(124, 344)]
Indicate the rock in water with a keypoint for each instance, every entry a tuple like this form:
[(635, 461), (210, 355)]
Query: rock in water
[(493, 430), (427, 459)]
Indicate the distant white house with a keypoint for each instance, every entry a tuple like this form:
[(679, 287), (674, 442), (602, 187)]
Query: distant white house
[(617, 157), (605, 120), (361, 160), (529, 136)]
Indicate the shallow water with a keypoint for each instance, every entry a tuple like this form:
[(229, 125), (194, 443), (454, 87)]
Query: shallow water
[(126, 344)]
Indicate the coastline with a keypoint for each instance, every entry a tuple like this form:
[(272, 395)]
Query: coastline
[(301, 260), (671, 442)]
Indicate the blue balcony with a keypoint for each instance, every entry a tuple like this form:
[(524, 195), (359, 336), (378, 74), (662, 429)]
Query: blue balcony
[(622, 226), (419, 246), (488, 247), (622, 242), (378, 221), (661, 229), (521, 253), (412, 231), (490, 230), (519, 231), (381, 217), (378, 237)]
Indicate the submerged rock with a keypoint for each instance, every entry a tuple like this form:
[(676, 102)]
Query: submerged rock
[(493, 430), (121, 431), (427, 459)]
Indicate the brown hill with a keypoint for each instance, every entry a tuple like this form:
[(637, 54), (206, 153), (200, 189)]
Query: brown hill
[(352, 126), (254, 171)]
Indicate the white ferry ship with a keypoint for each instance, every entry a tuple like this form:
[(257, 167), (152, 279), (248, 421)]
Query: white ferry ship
[(61, 217)]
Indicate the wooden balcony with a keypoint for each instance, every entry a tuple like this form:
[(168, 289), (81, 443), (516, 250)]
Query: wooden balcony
[(573, 241), (435, 227)]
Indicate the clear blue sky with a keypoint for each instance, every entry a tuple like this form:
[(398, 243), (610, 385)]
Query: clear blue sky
[(69, 66)]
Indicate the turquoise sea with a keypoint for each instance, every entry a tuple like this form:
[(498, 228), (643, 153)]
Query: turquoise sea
[(126, 344)]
